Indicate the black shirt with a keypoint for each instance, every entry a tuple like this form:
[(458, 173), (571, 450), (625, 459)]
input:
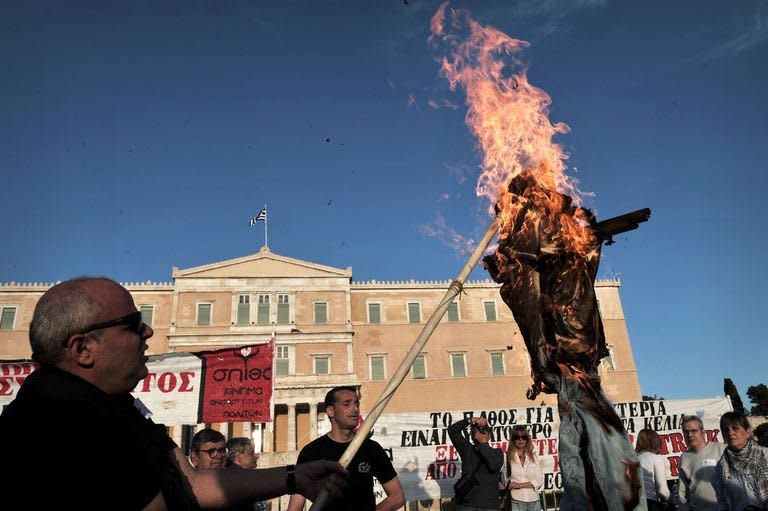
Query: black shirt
[(370, 461), (68, 445)]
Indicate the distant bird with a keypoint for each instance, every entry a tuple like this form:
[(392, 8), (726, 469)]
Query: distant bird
[(328, 140), (330, 202), (405, 2)]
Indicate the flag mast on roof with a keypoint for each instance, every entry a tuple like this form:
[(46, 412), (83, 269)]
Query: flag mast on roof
[(262, 217)]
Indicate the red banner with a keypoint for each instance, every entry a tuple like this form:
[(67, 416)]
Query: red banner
[(237, 384)]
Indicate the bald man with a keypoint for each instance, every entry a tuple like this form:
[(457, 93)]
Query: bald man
[(74, 436)]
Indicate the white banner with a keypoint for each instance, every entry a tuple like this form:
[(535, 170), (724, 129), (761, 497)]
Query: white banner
[(171, 390), (428, 465)]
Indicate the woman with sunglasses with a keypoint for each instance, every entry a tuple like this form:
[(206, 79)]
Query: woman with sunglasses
[(523, 474), (477, 489)]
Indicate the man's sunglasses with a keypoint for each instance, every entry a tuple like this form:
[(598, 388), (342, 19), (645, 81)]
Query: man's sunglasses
[(481, 429), (133, 320)]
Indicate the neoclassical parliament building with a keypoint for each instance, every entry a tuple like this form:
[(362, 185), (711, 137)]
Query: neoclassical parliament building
[(332, 330)]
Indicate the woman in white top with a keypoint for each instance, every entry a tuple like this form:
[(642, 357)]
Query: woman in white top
[(648, 447), (523, 474)]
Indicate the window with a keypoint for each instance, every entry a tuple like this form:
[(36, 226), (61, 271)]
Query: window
[(322, 364), (376, 363), (7, 318), (281, 360), (262, 310), (419, 368), (414, 312), (458, 365), (453, 312), (321, 312), (204, 314), (244, 310), (374, 313), (147, 313), (497, 363), (283, 310), (490, 310)]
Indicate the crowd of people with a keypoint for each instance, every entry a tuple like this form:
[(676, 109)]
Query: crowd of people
[(712, 476), (89, 340), (210, 450)]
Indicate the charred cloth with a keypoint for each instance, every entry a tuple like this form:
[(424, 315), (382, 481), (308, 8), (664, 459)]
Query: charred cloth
[(546, 262)]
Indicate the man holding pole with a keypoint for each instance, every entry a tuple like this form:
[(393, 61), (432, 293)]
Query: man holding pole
[(342, 405), (90, 342)]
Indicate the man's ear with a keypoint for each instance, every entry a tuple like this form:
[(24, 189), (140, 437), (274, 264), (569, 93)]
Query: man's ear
[(329, 411), (79, 349)]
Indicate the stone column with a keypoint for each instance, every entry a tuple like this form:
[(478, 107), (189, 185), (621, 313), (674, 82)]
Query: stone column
[(255, 433), (176, 430), (312, 421), (291, 442), (268, 437)]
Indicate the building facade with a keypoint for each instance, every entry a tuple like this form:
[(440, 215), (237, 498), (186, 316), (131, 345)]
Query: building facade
[(331, 330)]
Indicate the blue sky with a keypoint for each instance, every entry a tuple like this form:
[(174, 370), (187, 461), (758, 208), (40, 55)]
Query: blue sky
[(135, 137)]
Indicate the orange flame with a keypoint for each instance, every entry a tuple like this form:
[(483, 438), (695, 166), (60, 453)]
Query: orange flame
[(510, 119)]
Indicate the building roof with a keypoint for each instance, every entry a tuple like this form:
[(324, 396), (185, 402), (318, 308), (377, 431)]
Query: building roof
[(264, 263)]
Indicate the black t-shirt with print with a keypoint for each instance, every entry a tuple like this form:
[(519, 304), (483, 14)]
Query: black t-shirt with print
[(369, 462)]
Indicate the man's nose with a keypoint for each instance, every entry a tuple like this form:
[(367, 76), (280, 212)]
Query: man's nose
[(148, 332)]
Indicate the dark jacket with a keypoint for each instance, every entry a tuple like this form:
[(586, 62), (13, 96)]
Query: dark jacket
[(482, 459)]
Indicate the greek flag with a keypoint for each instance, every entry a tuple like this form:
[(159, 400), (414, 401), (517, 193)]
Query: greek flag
[(261, 217)]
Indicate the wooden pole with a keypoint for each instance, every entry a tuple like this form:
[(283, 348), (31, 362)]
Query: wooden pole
[(399, 375)]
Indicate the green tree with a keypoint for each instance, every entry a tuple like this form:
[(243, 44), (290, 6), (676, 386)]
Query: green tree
[(733, 393), (761, 433), (758, 394)]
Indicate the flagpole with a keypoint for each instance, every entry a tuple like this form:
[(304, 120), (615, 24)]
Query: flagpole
[(266, 219)]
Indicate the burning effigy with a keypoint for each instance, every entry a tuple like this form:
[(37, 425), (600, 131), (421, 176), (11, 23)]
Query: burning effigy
[(547, 256), (547, 280)]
